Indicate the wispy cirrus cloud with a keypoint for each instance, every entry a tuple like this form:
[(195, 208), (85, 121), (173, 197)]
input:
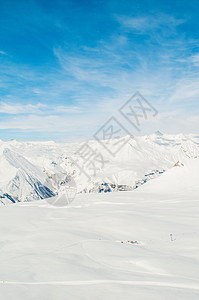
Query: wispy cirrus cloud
[(39, 108), (149, 23), (100, 80), (17, 108), (195, 59), (62, 76), (3, 52)]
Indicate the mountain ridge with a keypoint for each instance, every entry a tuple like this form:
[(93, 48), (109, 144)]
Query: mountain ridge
[(27, 168)]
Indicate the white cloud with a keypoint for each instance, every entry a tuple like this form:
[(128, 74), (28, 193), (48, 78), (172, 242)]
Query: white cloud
[(16, 108), (138, 23), (144, 24), (67, 109), (195, 59), (39, 108), (85, 73), (3, 53), (185, 91), (72, 125), (37, 91)]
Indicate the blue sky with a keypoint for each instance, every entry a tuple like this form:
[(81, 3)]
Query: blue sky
[(68, 66)]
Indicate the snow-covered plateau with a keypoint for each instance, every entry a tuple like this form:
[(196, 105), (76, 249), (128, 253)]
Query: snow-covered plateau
[(132, 231)]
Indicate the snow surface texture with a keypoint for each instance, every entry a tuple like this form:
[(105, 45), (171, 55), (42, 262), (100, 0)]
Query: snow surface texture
[(140, 244), (31, 170)]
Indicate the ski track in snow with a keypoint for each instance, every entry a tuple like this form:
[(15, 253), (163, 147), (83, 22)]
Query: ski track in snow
[(98, 282)]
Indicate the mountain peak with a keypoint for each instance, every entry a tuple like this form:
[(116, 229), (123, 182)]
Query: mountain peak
[(159, 133)]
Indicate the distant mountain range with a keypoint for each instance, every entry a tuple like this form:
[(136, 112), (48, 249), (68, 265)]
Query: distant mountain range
[(36, 170)]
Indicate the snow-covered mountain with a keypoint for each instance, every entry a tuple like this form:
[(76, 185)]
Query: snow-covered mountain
[(20, 180), (30, 170), (182, 178)]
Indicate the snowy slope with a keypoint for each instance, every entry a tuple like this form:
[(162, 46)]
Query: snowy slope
[(178, 179), (82, 252), (141, 244)]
